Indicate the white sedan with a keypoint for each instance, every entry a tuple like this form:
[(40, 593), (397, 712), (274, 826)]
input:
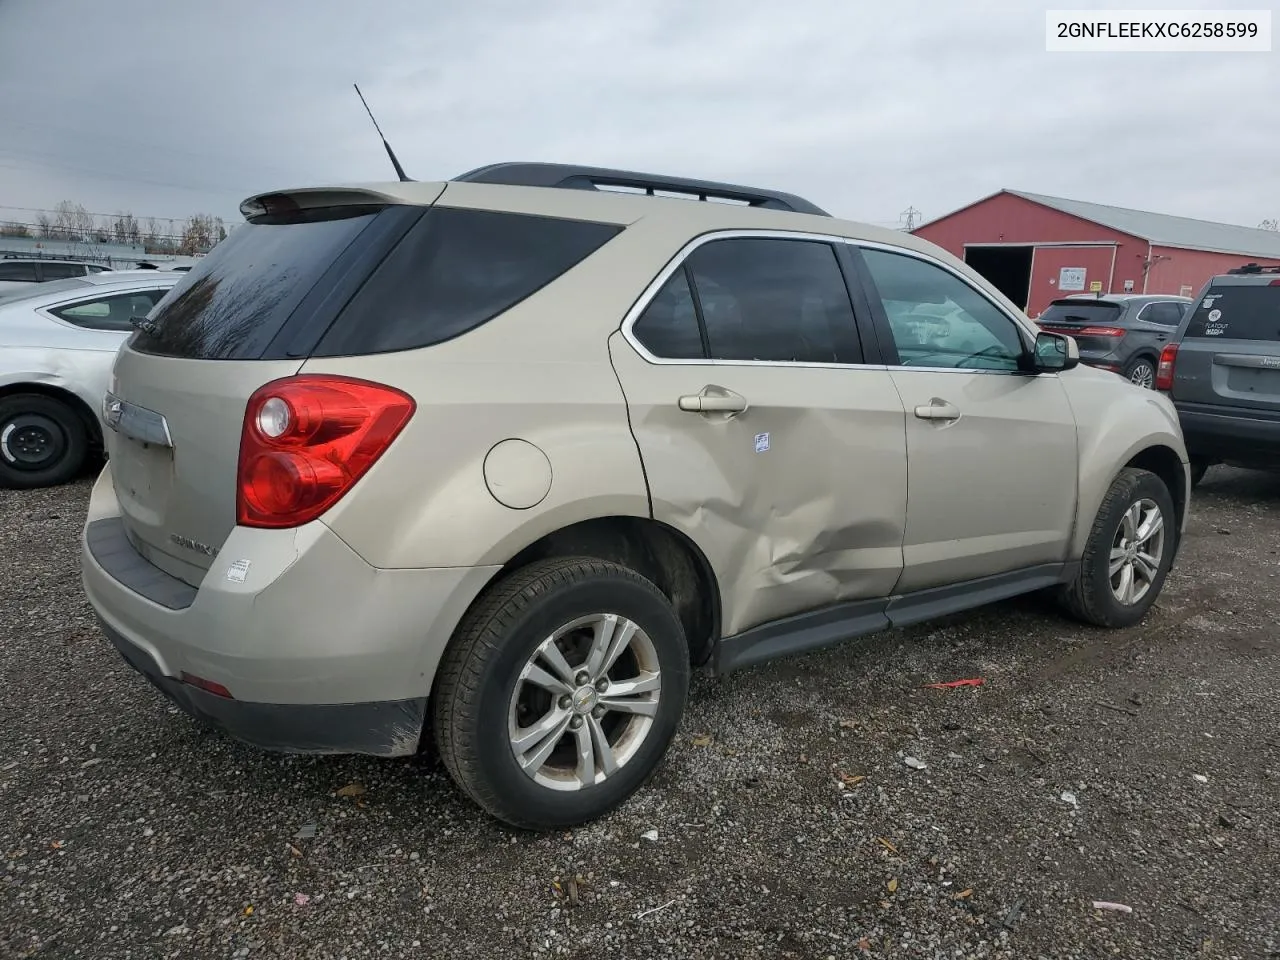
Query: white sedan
[(58, 341)]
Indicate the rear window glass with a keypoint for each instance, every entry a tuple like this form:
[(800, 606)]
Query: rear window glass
[(455, 270), (1237, 313), (1080, 312), (238, 298), (41, 290)]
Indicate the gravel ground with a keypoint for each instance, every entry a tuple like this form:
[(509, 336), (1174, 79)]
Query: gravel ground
[(1141, 766)]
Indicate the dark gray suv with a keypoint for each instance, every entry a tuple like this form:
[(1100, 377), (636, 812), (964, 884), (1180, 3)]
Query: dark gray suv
[(1223, 371), (1120, 332)]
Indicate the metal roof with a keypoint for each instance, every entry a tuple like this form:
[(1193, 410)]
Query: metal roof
[(1166, 231)]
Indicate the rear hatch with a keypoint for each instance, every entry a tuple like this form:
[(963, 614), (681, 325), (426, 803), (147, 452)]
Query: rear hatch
[(1093, 323), (318, 274), (248, 314), (1229, 354)]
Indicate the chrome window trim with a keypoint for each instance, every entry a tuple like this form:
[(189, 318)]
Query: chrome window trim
[(677, 262)]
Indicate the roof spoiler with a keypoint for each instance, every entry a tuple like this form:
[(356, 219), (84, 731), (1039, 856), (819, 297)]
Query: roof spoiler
[(571, 177)]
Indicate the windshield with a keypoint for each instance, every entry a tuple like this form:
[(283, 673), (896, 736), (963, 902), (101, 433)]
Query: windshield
[(1077, 311)]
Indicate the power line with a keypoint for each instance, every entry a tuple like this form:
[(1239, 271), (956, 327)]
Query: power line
[(109, 216), (909, 218)]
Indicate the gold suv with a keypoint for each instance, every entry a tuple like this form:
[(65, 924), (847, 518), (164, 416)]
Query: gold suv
[(505, 457)]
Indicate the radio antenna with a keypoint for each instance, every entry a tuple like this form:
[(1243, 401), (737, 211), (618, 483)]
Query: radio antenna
[(390, 153)]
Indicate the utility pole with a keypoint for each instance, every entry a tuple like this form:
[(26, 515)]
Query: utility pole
[(909, 218)]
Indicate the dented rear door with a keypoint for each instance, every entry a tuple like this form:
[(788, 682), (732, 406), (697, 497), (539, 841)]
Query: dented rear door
[(763, 438)]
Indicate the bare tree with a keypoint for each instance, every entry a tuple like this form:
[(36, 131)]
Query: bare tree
[(71, 221), (124, 229), (14, 230), (44, 226), (199, 233)]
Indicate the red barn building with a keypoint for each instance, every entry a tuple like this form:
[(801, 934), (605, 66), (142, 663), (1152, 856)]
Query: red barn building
[(1035, 248)]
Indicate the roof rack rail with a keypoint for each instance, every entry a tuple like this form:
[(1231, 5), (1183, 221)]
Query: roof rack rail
[(571, 177), (1254, 268)]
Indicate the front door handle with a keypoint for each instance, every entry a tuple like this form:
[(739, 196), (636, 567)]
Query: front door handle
[(937, 409), (713, 399)]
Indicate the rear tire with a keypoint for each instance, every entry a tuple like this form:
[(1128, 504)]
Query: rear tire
[(1135, 528), (43, 442), (496, 687), (1141, 371)]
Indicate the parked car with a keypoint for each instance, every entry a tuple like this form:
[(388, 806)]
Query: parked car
[(21, 271), (506, 457), (1223, 372), (1120, 332), (57, 343)]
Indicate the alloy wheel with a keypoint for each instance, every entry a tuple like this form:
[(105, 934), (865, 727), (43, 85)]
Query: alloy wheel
[(1136, 551), (584, 702)]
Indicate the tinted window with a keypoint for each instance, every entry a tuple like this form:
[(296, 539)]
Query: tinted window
[(938, 320), (1237, 313), (18, 272), (1080, 311), (1165, 312), (779, 300), (669, 325), (110, 313), (454, 270), (61, 271), (236, 301)]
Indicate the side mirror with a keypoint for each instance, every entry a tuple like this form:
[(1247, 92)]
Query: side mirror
[(1054, 352)]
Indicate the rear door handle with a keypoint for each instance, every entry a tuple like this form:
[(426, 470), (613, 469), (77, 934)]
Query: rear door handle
[(938, 410), (719, 401)]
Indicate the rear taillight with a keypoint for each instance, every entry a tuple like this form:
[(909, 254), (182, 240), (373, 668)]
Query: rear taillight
[(1100, 332), (1164, 371), (305, 442)]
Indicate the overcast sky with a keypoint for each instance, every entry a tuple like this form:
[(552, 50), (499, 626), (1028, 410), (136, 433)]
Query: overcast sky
[(866, 108)]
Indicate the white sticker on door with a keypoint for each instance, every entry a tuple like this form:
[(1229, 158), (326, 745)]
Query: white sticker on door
[(762, 442)]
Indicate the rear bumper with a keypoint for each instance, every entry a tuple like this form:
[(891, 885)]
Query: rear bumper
[(1240, 437), (320, 651), (385, 729)]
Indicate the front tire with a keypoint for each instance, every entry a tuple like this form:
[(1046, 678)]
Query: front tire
[(43, 442), (1129, 552), (561, 691)]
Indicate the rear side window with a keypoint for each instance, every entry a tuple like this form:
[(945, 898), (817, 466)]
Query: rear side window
[(1166, 312), (61, 271), (115, 313), (18, 272), (239, 297), (1237, 313), (455, 270), (668, 327), (774, 300)]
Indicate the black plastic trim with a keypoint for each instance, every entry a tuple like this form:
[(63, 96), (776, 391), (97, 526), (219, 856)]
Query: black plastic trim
[(573, 177), (311, 320), (831, 625), (110, 547), (382, 728)]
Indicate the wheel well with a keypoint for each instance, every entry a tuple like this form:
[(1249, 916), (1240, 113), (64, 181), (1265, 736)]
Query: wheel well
[(90, 420), (660, 553), (1165, 464)]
